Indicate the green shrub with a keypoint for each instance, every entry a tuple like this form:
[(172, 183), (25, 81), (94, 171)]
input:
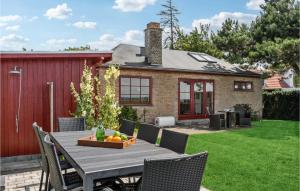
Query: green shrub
[(127, 112), (281, 105)]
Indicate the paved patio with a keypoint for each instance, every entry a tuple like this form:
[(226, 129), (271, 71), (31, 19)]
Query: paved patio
[(29, 181)]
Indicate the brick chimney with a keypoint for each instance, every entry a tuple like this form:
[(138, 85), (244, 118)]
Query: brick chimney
[(153, 44)]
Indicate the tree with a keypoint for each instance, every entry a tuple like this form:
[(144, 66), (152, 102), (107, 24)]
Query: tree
[(234, 40), (276, 35), (169, 21), (197, 41), (280, 54), (81, 48), (278, 19)]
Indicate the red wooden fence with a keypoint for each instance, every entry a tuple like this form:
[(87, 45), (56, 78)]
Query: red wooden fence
[(37, 70)]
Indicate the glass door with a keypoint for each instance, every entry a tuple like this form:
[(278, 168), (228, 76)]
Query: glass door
[(185, 97), (196, 98)]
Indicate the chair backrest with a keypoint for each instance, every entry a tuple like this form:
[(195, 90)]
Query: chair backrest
[(56, 178), (240, 110), (184, 173), (148, 132), (71, 124), (40, 134), (127, 127), (208, 111), (174, 141)]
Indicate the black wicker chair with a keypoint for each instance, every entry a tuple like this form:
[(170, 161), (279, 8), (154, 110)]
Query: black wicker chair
[(148, 132), (127, 127), (71, 124), (174, 141), (241, 118), (59, 181), (40, 134), (184, 173), (216, 121), (45, 169)]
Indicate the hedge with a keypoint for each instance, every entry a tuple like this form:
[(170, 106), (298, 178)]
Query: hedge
[(281, 105)]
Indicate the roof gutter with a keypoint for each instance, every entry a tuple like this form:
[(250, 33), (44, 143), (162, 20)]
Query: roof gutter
[(190, 71)]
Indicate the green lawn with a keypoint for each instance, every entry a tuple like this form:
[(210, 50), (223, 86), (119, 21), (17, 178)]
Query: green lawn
[(265, 157)]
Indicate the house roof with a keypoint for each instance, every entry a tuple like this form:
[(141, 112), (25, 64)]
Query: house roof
[(275, 82), (131, 56), (56, 54)]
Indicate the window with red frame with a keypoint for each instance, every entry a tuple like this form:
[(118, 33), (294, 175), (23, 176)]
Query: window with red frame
[(135, 90)]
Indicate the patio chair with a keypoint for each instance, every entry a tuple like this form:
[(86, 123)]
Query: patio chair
[(148, 132), (183, 173), (241, 118), (71, 124), (216, 121), (40, 134), (174, 141), (127, 127), (59, 181)]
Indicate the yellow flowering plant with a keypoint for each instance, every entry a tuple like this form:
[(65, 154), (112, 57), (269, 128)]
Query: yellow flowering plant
[(87, 98), (109, 107)]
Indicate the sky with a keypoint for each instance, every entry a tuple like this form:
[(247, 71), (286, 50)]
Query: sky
[(51, 25)]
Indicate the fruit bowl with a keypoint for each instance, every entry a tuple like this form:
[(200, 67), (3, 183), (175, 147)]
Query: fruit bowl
[(107, 143)]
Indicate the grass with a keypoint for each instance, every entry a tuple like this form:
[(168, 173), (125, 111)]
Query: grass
[(265, 157)]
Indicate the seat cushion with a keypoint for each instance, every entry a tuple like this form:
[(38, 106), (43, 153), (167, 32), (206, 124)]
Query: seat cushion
[(72, 180), (64, 164)]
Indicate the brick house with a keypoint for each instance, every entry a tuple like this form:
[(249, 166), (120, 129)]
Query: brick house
[(163, 82)]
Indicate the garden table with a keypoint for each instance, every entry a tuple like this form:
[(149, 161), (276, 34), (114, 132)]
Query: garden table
[(94, 163)]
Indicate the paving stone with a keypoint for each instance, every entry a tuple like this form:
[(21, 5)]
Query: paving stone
[(29, 181)]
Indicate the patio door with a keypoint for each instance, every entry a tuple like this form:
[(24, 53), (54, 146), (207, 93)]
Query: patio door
[(195, 98)]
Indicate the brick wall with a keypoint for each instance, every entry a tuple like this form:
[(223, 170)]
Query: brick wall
[(165, 91)]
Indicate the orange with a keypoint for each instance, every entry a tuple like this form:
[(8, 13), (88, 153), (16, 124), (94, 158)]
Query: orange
[(116, 139), (109, 139)]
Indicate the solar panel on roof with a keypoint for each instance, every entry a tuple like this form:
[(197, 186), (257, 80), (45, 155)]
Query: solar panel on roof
[(201, 57)]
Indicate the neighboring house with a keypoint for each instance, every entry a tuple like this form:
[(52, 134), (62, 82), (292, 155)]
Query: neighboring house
[(163, 82), (280, 82)]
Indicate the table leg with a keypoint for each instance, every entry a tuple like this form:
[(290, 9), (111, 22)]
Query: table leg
[(88, 184)]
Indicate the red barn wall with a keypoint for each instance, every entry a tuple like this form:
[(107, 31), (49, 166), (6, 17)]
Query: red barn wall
[(36, 72)]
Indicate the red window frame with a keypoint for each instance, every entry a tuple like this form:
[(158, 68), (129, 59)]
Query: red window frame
[(191, 114), (136, 103)]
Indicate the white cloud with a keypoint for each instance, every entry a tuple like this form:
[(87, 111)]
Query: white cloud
[(10, 18), (132, 5), (135, 37), (62, 41), (33, 18), (59, 43), (217, 20), (5, 20), (59, 12), (12, 42), (3, 24), (109, 41), (105, 42), (85, 25), (254, 4), (12, 28)]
